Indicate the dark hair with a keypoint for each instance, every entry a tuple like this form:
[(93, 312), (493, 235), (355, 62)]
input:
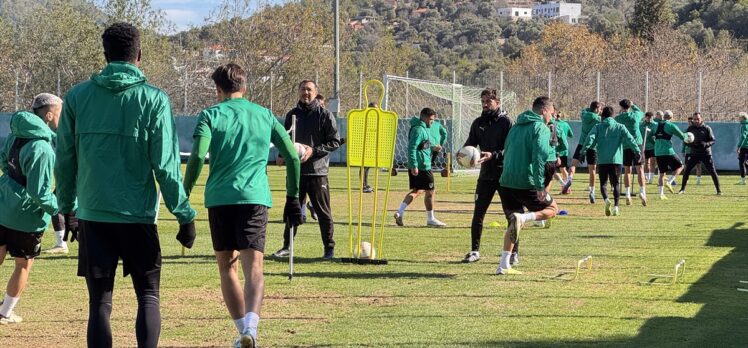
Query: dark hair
[(696, 114), (625, 104), (490, 92), (649, 114), (320, 97), (372, 105), (427, 112), (303, 82), (595, 104), (121, 42), (607, 112), (229, 78), (540, 103)]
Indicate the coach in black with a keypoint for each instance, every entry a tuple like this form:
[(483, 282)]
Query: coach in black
[(488, 133), (317, 129), (701, 151)]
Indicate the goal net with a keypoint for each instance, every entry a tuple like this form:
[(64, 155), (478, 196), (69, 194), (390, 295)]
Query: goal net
[(456, 107)]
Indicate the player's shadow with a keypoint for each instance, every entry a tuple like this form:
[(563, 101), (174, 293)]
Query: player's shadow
[(367, 274)]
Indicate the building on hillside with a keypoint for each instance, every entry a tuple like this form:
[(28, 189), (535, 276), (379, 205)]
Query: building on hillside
[(515, 13), (563, 11)]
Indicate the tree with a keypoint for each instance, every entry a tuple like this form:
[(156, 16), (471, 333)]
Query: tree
[(651, 16)]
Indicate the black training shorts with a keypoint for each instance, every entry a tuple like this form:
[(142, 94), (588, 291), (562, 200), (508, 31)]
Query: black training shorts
[(649, 154), (515, 200), (238, 227), (631, 158), (550, 169), (668, 163), (21, 244), (423, 181), (102, 244), (564, 162)]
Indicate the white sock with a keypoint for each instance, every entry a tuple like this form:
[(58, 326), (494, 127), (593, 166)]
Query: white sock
[(643, 190), (628, 191), (505, 259), (591, 189), (662, 190), (251, 321), (671, 180), (303, 209), (570, 177), (528, 216), (240, 324), (401, 210), (562, 182), (430, 215), (8, 304), (59, 235)]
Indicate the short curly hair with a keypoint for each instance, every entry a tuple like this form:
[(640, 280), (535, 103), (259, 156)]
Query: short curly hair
[(121, 42), (230, 78)]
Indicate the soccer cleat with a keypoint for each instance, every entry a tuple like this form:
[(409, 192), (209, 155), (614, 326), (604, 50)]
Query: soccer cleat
[(435, 223), (399, 219), (608, 206), (12, 319), (681, 192), (283, 252), (643, 197), (628, 200), (471, 257), (329, 254), (539, 223), (663, 198), (616, 211), (565, 190), (57, 249), (515, 225), (245, 341), (508, 271), (669, 187), (368, 189), (514, 259), (719, 193), (311, 210), (592, 197)]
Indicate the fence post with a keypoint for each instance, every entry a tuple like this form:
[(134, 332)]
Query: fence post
[(549, 84), (271, 92), (501, 87), (698, 106), (407, 95), (184, 91), (361, 89), (598, 87), (386, 92), (646, 91), (16, 97)]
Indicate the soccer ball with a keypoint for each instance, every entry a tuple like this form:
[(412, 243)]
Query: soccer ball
[(367, 251), (466, 155), (689, 138), (300, 149)]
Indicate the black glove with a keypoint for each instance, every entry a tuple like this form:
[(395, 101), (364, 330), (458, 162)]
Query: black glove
[(186, 234), (71, 227), (292, 211)]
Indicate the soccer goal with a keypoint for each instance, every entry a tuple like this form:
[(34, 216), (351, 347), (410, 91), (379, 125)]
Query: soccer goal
[(456, 107)]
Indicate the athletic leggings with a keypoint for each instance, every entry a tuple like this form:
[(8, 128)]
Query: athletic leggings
[(148, 322), (742, 158), (610, 172)]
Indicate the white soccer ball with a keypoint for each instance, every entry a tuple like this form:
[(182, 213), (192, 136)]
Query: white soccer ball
[(367, 251), (300, 149), (466, 155), (689, 138)]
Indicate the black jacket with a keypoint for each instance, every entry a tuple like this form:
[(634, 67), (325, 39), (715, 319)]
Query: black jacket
[(703, 139), (488, 132), (317, 128)]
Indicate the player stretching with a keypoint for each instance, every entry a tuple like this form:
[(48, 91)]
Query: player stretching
[(648, 128), (590, 117), (631, 116), (667, 161)]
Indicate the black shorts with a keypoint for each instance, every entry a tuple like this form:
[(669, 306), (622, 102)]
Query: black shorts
[(668, 163), (238, 227), (631, 158), (564, 161), (550, 169), (514, 201), (649, 154), (590, 156), (21, 244), (102, 244), (423, 181)]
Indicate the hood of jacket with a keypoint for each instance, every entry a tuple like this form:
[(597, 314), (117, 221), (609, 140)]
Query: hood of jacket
[(417, 122), (529, 117), (28, 125), (608, 121), (119, 76)]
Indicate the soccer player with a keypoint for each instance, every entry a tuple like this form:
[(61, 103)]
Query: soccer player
[(667, 161), (116, 136), (419, 168), (648, 127), (527, 149), (238, 133), (317, 130), (686, 151), (437, 136), (631, 116), (26, 199), (488, 133), (701, 152), (564, 133), (610, 138), (743, 146), (590, 117)]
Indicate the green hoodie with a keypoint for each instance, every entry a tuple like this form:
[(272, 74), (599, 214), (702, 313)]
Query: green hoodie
[(610, 137), (116, 139), (419, 145), (631, 119), (28, 209), (649, 142), (743, 135), (526, 152), (437, 134), (664, 147), (589, 120), (564, 133)]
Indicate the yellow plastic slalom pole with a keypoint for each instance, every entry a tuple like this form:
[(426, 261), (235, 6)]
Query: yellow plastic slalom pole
[(350, 212)]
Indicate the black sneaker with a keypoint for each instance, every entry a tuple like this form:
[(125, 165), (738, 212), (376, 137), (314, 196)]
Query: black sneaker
[(368, 189), (329, 254), (514, 259)]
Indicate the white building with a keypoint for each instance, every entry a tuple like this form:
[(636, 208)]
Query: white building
[(563, 11), (515, 13)]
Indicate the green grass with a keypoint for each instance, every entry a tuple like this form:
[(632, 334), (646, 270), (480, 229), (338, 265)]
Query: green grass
[(426, 297)]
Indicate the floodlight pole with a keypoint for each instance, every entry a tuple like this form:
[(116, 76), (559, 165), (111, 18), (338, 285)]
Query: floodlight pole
[(336, 87)]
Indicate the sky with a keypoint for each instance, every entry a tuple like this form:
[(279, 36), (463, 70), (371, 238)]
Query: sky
[(187, 13)]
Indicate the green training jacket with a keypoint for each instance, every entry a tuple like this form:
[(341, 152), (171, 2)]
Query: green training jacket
[(437, 134), (526, 152), (589, 120), (419, 145), (29, 208), (631, 119), (743, 135), (116, 139), (564, 133), (610, 137), (664, 147), (649, 142)]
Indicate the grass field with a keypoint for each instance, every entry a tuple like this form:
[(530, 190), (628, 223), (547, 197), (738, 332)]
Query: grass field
[(426, 297)]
